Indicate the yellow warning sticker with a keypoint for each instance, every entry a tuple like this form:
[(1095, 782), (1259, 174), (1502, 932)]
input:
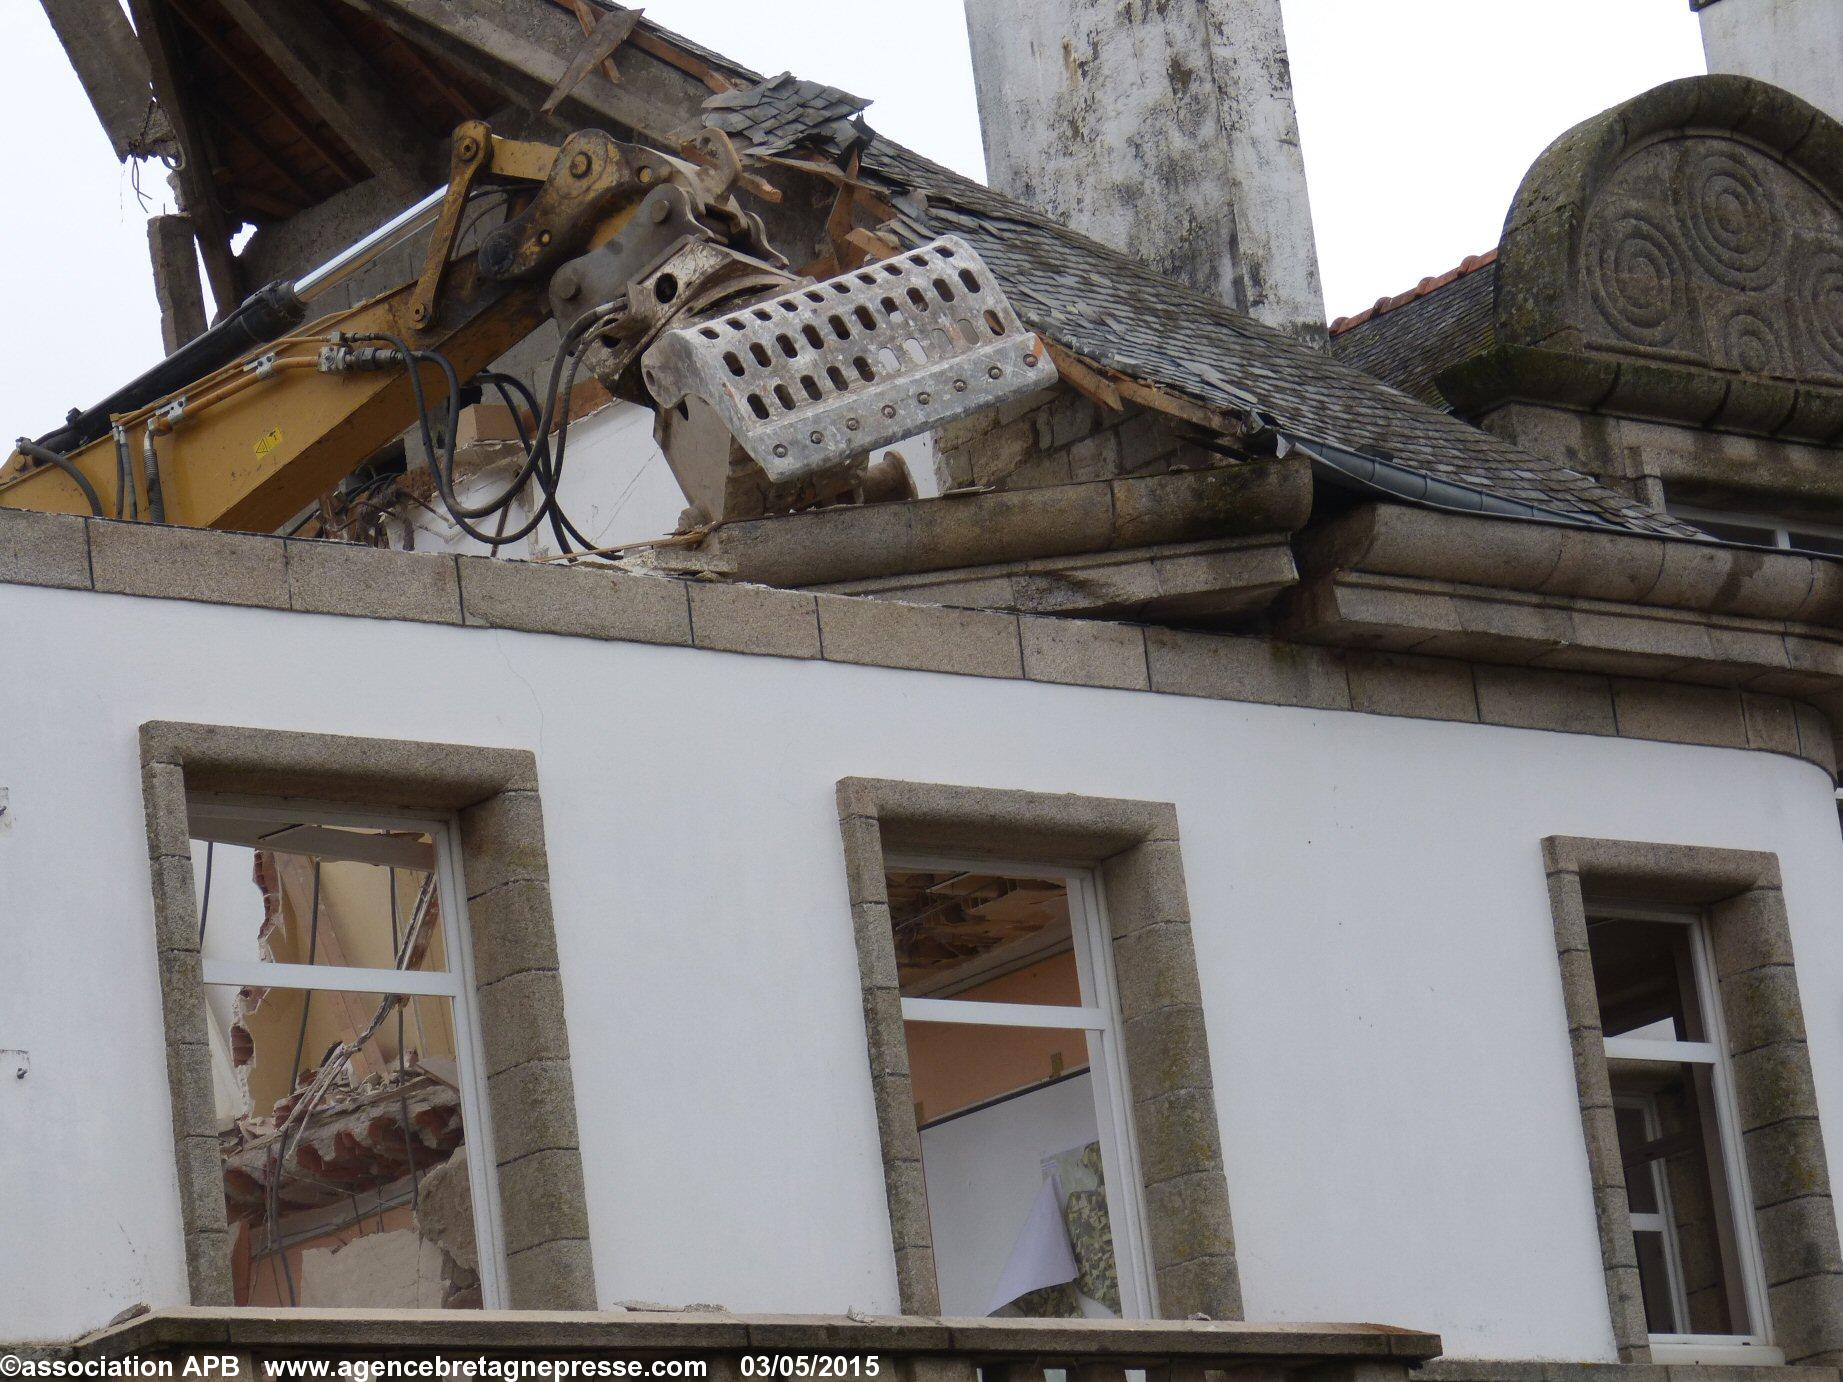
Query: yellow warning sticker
[(268, 441)]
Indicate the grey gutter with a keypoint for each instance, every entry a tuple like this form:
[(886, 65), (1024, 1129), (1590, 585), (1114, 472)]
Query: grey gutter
[(1338, 465)]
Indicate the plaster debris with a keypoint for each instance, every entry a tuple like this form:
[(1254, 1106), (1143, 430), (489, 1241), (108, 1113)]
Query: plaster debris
[(380, 1271)]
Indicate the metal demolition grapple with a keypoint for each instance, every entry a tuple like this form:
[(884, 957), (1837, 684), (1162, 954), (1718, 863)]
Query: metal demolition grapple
[(800, 386)]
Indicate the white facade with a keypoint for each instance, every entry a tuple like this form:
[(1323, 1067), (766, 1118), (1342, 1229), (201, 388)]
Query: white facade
[(1795, 44), (1399, 1113)]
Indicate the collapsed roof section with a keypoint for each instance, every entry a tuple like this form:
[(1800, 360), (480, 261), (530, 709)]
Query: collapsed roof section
[(1113, 310), (255, 90)]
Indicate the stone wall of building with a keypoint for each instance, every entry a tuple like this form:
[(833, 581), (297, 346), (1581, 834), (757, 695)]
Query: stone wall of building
[(1056, 437)]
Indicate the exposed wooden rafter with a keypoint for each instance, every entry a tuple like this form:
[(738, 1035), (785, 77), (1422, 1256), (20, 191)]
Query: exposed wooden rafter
[(153, 23), (110, 63), (265, 91), (524, 51), (334, 78)]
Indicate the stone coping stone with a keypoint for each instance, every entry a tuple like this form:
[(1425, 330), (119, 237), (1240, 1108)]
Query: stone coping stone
[(547, 1331), (598, 602)]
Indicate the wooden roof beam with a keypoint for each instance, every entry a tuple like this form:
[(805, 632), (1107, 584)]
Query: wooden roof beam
[(524, 50), (197, 197), (112, 67), (343, 89)]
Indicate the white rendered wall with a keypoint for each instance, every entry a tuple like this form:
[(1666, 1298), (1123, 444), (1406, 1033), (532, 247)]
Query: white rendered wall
[(1795, 44), (1385, 1014)]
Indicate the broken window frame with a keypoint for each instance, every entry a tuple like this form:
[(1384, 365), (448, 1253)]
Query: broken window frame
[(454, 983), (1754, 1345), (1090, 938)]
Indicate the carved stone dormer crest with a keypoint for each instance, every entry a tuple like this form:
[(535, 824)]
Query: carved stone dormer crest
[(1677, 258)]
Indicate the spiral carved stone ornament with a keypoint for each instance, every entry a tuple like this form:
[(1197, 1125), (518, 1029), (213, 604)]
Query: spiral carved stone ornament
[(1703, 250), (1819, 296), (1726, 210), (1637, 278)]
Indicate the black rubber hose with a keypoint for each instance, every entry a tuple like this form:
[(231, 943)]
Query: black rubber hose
[(264, 315), (538, 461), (50, 457), (442, 469)]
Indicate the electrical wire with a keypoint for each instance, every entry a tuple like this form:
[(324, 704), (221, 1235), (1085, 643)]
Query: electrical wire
[(204, 907), (307, 995)]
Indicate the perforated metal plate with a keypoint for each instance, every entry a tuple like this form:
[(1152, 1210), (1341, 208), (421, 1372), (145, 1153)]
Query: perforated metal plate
[(808, 380)]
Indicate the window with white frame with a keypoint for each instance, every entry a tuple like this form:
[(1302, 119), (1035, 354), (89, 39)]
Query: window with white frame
[(1692, 1224), (346, 1063), (1764, 530), (1008, 1004)]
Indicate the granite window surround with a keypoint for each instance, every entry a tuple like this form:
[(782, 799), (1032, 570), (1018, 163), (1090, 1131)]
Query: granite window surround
[(493, 795), (1738, 893), (1133, 847)]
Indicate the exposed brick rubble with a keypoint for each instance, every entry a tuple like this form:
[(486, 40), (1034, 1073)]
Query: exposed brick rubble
[(354, 1143)]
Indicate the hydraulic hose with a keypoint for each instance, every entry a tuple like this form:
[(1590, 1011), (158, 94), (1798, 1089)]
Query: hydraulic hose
[(264, 315), (50, 457)]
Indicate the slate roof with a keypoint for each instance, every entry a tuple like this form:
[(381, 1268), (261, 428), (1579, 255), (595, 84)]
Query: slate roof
[(784, 112), (1409, 342), (1109, 307)]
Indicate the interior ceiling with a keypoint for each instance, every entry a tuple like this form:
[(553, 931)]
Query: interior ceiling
[(270, 154), (944, 919)]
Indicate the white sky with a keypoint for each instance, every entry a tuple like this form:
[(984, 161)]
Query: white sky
[(1419, 118)]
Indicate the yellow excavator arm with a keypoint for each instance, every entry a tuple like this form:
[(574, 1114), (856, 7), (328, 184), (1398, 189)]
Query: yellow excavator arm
[(769, 390), (248, 444)]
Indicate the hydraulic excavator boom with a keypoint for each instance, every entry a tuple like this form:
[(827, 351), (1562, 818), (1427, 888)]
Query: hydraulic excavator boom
[(769, 389)]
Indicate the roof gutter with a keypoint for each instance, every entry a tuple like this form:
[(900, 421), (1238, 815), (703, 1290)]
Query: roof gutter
[(1347, 469)]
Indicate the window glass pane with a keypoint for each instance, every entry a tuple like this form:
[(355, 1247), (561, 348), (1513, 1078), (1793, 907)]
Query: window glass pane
[(1735, 532), (1818, 542), (1674, 1145), (343, 1149), (957, 1065), (296, 894), (982, 936), (1654, 1282), (1641, 1175), (1645, 980), (1016, 1179)]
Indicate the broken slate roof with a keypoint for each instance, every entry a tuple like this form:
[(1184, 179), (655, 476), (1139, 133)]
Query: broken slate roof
[(1107, 306), (784, 112)]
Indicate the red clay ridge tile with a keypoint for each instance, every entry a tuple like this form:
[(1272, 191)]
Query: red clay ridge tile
[(1470, 264)]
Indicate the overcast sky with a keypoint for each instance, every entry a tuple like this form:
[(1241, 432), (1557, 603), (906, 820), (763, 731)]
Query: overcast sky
[(1419, 117)]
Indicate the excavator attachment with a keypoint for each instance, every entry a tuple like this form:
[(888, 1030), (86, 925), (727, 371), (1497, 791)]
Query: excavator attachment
[(770, 391), (800, 387)]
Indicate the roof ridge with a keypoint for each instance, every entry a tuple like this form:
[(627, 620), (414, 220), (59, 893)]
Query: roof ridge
[(1470, 264)]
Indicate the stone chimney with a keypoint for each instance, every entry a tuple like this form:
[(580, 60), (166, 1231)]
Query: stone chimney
[(1164, 128), (1796, 45)]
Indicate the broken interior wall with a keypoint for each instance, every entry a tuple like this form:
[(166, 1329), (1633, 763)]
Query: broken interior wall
[(1164, 130)]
